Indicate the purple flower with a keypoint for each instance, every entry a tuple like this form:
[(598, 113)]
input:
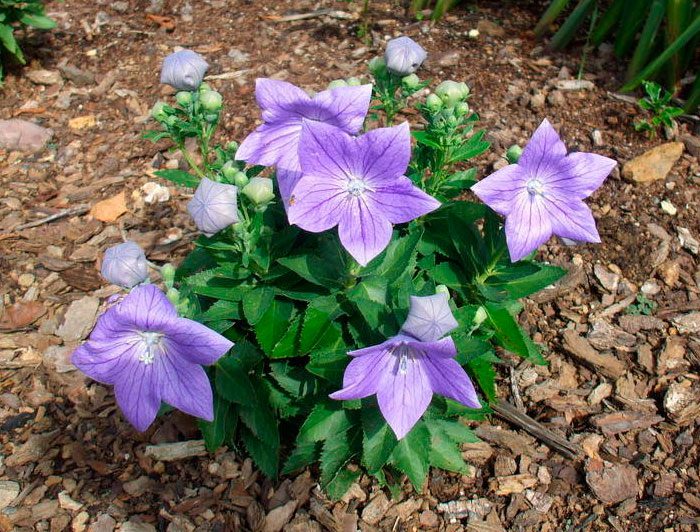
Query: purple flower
[(213, 206), (284, 106), (403, 55), (356, 183), (406, 370), (542, 194), (125, 265), (429, 317), (150, 355), (183, 70)]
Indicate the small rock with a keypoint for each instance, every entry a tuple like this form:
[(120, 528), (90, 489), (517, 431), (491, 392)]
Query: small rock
[(682, 402), (26, 280), (537, 101), (668, 207), (23, 135), (556, 99), (82, 122), (654, 164), (120, 6), (155, 193), (688, 323), (597, 137), (79, 77), (492, 29), (8, 493), (79, 319), (375, 509), (65, 502), (692, 144), (611, 483), (44, 77), (428, 519), (608, 279), (687, 240), (168, 452), (650, 288), (574, 84), (103, 523)]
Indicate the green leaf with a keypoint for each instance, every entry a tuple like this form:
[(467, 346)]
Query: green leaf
[(412, 455), (325, 420), (473, 147), (444, 450), (179, 177), (288, 344), (41, 22), (233, 382), (329, 365), (338, 449), (519, 280), (319, 330), (303, 455), (294, 380), (7, 39), (341, 483), (398, 257), (260, 419), (449, 274), (221, 310), (509, 334), (221, 430), (378, 440), (273, 324), (324, 266), (257, 302), (553, 11), (573, 22), (265, 455)]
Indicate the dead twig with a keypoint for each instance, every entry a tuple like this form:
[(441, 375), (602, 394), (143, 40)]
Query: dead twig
[(507, 411), (75, 211), (312, 14)]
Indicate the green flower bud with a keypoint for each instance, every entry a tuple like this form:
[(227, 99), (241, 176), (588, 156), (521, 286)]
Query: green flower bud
[(204, 87), (433, 103), (337, 83), (452, 121), (442, 289), (461, 109), (410, 82), (170, 120), (229, 170), (377, 65), (173, 295), (211, 100), (232, 146), (240, 179), (513, 153), (452, 92), (259, 190), (213, 117), (167, 271), (354, 82), (159, 111), (480, 316), (183, 98), (238, 228)]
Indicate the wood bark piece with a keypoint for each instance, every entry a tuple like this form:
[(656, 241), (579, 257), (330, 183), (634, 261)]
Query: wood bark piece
[(579, 348), (168, 452), (618, 422), (560, 444)]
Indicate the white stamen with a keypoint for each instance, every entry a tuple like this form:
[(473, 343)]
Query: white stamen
[(535, 187), (152, 345), (356, 187), (403, 363)]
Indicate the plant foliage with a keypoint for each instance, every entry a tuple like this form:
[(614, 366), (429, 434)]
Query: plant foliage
[(14, 15)]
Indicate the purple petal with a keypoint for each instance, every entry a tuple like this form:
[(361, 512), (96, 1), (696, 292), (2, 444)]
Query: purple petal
[(328, 153), (146, 308), (444, 348), (317, 206), (186, 387), (104, 361), (429, 318), (278, 99), (527, 226), (286, 181), (404, 394), (499, 189), (345, 107), (400, 201), (363, 232), (386, 153), (544, 149), (448, 378), (571, 219), (191, 341), (272, 144), (584, 174), (364, 372), (403, 55), (137, 391)]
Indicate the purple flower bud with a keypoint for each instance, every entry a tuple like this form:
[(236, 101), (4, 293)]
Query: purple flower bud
[(403, 56), (125, 265), (183, 70), (213, 206)]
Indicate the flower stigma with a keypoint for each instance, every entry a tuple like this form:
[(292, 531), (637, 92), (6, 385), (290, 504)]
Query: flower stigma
[(535, 187), (356, 187), (153, 345)]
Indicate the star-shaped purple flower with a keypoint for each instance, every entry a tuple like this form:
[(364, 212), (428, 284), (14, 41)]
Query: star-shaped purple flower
[(356, 183), (406, 370), (284, 106), (149, 354), (542, 195)]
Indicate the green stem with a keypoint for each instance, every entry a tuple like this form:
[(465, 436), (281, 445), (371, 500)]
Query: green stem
[(188, 158)]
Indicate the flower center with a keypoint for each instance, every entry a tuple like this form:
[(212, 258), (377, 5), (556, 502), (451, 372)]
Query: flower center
[(404, 353), (535, 187), (152, 343), (356, 187)]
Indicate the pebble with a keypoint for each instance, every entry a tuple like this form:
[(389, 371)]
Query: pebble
[(650, 288), (26, 280), (668, 207), (537, 101), (597, 137), (79, 319), (44, 77), (67, 503), (654, 164), (22, 135), (574, 84), (8, 492), (556, 98), (687, 240), (103, 523), (155, 193)]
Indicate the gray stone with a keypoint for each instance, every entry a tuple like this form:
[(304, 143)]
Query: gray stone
[(76, 75), (8, 492), (22, 135), (120, 6), (79, 319)]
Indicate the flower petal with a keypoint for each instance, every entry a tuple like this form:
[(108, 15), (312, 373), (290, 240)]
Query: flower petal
[(544, 148), (272, 144), (400, 201), (186, 387), (345, 107), (363, 232), (363, 373), (499, 189), (328, 153), (448, 378), (137, 391), (145, 308), (429, 317), (191, 341), (386, 153), (286, 181), (317, 206), (584, 174), (278, 99), (404, 394), (527, 226), (104, 361), (572, 219)]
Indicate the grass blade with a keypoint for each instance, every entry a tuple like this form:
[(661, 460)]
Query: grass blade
[(647, 38), (571, 25), (607, 22), (553, 11), (678, 13), (693, 100), (634, 14), (442, 7)]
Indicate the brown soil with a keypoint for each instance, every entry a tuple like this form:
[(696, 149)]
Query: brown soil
[(79, 465)]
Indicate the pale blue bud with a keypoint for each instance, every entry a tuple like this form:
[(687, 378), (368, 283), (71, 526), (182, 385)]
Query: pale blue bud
[(403, 56), (125, 265), (213, 206), (183, 70)]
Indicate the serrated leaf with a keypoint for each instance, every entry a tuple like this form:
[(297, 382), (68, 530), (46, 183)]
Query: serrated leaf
[(411, 455), (324, 420), (265, 455), (179, 177), (337, 451), (233, 382), (509, 334), (319, 332), (260, 419), (378, 440), (221, 310), (288, 345), (341, 483), (294, 380), (398, 257), (273, 324), (303, 455), (329, 365), (221, 429), (257, 302), (520, 280)]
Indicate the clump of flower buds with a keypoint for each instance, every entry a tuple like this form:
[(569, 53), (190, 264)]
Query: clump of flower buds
[(211, 100), (433, 103), (410, 82), (403, 56), (183, 70), (259, 190), (336, 83), (125, 265), (214, 206), (452, 92)]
